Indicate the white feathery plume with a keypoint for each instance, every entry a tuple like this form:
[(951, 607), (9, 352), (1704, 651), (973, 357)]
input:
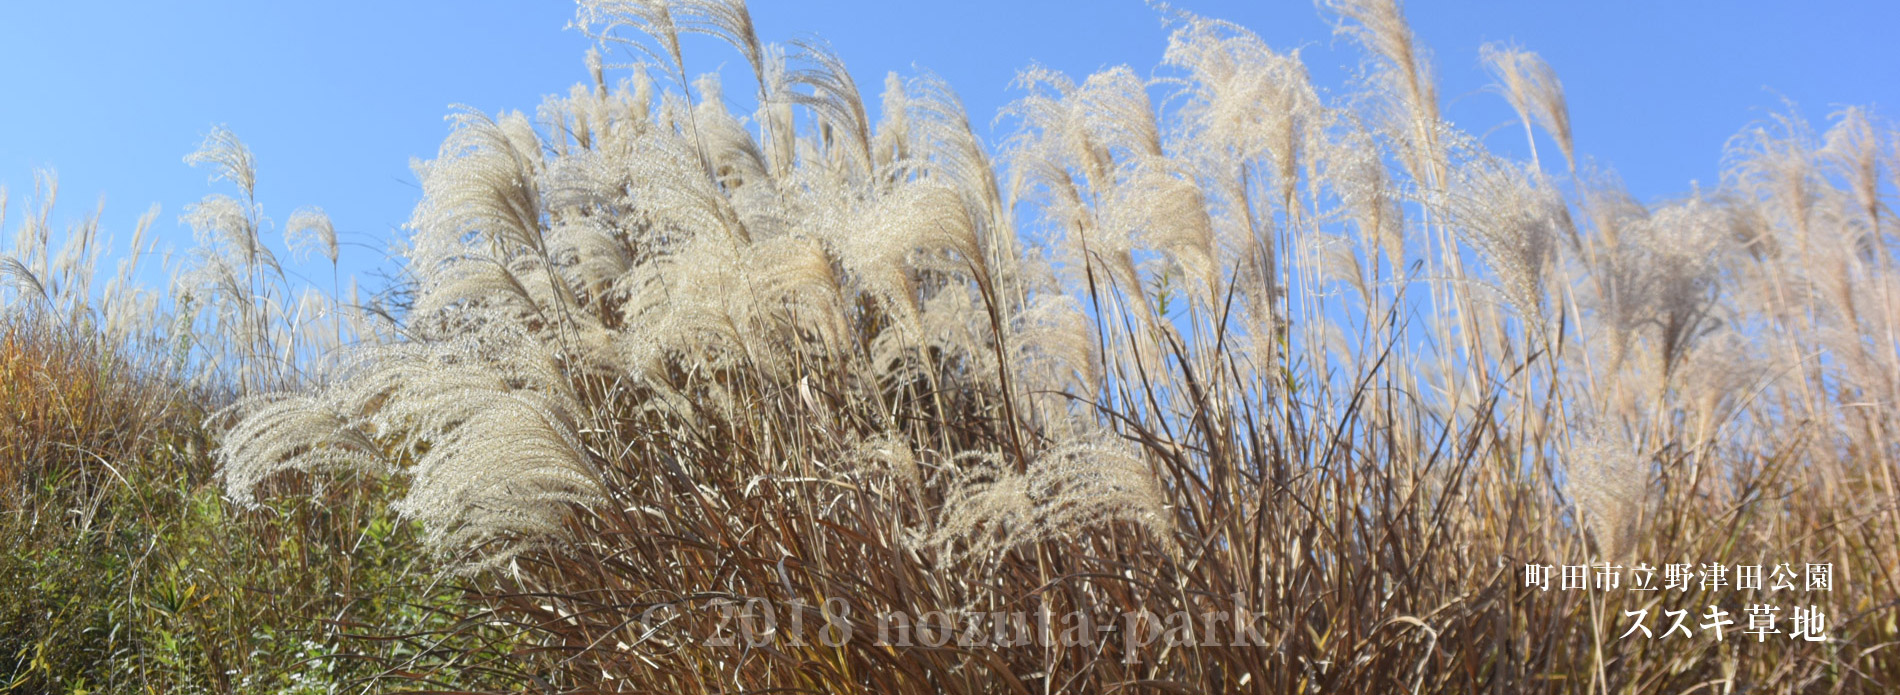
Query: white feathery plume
[(230, 159), (310, 228), (1533, 91), (1080, 484), (1515, 218), (1404, 74), (1608, 479)]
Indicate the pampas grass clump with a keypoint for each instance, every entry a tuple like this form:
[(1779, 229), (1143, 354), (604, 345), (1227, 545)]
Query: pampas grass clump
[(1325, 359), (701, 384)]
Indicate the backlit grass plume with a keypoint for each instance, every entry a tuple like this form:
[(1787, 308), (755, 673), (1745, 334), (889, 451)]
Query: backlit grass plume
[(1205, 340)]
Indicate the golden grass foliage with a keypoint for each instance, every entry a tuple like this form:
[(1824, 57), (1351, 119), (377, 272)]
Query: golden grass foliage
[(1212, 340), (123, 567), (126, 570)]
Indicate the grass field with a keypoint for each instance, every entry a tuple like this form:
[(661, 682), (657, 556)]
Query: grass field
[(1213, 382)]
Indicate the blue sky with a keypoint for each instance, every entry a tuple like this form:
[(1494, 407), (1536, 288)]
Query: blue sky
[(334, 98)]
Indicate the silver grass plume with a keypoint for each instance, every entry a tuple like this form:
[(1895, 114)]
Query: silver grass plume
[(231, 225), (1057, 162), (229, 158), (1146, 194), (482, 182), (1608, 481), (1245, 102), (1533, 91), (1775, 162), (128, 308), (603, 19), (1515, 219), (14, 271), (1684, 243), (1852, 151), (1083, 483), (1405, 75), (938, 145), (1356, 172), (310, 229), (23, 280), (832, 95), (485, 422), (738, 162)]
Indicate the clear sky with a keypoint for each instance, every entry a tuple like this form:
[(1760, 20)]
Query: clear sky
[(335, 97)]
